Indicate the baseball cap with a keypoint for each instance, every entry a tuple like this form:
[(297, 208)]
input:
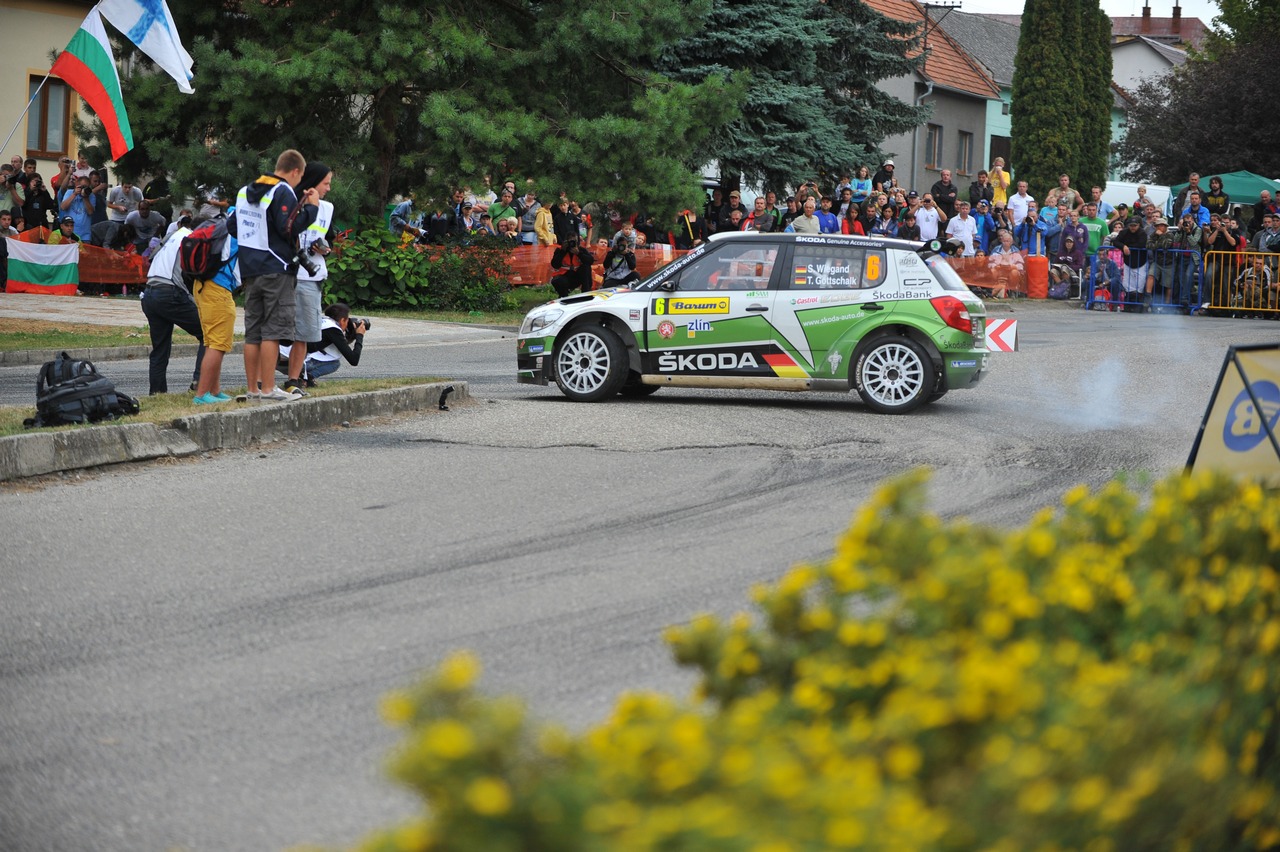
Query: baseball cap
[(913, 194), (66, 219), (1162, 221)]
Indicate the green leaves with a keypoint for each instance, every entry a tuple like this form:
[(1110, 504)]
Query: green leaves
[(372, 269)]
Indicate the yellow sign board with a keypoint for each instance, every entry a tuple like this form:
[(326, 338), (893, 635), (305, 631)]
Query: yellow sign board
[(1238, 432)]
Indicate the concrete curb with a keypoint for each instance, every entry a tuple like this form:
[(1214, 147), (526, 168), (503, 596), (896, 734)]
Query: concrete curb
[(71, 449), (24, 357)]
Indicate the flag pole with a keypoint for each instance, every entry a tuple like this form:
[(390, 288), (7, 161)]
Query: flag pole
[(16, 124)]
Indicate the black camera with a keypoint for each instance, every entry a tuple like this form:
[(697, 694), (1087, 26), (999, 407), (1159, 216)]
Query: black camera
[(352, 322), (304, 257), (307, 262)]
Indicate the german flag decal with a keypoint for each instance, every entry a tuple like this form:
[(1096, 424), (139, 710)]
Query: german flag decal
[(785, 366)]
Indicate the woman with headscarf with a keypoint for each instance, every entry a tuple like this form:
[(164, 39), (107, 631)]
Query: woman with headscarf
[(313, 245)]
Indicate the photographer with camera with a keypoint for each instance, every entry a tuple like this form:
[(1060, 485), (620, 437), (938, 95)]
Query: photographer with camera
[(313, 246), (39, 207), (13, 194), (78, 202), (341, 336), (620, 260), (573, 262)]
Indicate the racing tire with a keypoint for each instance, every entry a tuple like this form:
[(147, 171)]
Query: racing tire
[(591, 364), (633, 388), (894, 375)]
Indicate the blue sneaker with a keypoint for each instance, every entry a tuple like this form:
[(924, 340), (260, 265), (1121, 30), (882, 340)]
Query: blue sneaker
[(221, 397), (205, 399)]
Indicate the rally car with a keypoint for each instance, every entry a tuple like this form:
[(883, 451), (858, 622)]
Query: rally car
[(794, 312)]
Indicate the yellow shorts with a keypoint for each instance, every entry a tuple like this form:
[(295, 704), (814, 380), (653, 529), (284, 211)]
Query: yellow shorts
[(217, 315)]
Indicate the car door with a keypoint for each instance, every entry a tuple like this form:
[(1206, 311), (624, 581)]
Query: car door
[(828, 299), (716, 319)]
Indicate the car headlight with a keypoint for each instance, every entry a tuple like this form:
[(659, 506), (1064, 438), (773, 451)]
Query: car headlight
[(539, 321)]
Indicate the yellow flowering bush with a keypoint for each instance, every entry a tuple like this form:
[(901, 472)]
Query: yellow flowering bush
[(1105, 678)]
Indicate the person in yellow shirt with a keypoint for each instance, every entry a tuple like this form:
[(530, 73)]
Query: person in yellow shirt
[(999, 182), (66, 232)]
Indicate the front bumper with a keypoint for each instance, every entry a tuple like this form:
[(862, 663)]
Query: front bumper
[(533, 361)]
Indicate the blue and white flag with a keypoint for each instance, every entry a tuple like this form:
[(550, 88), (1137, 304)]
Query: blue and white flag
[(149, 25)]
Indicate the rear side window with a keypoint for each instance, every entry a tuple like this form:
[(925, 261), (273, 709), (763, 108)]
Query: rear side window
[(836, 268), (946, 274), (737, 266)]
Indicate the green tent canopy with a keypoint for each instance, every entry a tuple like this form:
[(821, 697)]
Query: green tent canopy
[(1243, 187)]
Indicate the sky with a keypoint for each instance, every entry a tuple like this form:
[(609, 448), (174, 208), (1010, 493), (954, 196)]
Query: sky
[(1205, 10)]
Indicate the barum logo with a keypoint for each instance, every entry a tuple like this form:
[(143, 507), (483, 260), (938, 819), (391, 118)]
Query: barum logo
[(1244, 427)]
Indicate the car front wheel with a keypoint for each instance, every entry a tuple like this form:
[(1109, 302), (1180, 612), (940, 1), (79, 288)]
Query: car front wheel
[(591, 364), (894, 375)]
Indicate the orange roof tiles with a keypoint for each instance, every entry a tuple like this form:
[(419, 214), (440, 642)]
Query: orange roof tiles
[(947, 64)]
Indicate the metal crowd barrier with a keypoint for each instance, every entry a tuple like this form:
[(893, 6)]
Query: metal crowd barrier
[(1179, 283), (1242, 283)]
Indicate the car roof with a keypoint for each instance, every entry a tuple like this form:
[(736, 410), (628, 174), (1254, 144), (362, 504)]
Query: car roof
[(821, 239)]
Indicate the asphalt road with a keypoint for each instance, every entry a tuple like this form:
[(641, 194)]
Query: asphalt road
[(193, 651)]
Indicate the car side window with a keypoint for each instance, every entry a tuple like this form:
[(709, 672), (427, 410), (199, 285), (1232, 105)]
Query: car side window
[(735, 267), (836, 268)]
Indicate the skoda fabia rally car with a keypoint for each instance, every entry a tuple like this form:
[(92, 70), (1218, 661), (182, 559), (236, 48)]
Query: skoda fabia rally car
[(791, 312)]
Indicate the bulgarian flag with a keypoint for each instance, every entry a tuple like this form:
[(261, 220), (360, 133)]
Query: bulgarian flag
[(88, 66), (48, 270)]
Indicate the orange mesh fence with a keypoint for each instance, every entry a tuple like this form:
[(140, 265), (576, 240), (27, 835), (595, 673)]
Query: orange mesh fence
[(105, 266), (1002, 278), (531, 265)]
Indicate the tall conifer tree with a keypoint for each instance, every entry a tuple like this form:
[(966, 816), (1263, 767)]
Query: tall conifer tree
[(1059, 108), (812, 109), (1095, 153)]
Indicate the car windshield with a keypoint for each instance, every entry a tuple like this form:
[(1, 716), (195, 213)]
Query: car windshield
[(654, 281), (945, 274)]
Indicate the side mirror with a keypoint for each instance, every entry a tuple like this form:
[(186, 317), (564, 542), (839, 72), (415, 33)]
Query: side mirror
[(669, 285)]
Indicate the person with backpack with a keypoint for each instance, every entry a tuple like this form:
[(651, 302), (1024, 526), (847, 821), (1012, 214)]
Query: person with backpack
[(167, 302), (216, 275)]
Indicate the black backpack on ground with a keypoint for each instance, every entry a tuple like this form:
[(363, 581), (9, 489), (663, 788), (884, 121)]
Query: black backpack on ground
[(71, 391)]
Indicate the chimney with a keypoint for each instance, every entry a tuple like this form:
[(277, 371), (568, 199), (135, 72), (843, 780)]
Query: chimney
[(1146, 18), (1177, 17)]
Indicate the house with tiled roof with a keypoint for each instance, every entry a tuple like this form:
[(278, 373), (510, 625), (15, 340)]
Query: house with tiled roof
[(957, 88), (32, 30), (993, 44), (1175, 30)]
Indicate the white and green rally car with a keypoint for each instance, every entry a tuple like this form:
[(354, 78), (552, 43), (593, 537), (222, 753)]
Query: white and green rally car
[(789, 312)]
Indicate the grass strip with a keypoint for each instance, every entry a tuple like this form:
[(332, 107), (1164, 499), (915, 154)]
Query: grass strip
[(165, 408)]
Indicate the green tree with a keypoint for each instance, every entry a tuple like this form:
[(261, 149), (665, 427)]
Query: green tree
[(1094, 161), (1042, 115), (398, 95), (1242, 22), (1061, 115), (811, 107), (1206, 117)]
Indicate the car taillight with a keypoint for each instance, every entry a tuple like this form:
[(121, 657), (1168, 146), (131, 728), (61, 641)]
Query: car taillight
[(953, 312)]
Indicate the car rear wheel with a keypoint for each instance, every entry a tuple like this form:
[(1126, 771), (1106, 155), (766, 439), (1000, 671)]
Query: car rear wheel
[(894, 375), (591, 364)]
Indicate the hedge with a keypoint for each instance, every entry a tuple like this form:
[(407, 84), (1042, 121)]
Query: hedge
[(1104, 678)]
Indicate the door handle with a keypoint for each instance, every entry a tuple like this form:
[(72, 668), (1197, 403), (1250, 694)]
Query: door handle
[(757, 308), (872, 306)]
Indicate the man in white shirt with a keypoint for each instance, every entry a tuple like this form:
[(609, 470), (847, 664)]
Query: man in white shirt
[(807, 223), (964, 228), (929, 218), (1018, 202)]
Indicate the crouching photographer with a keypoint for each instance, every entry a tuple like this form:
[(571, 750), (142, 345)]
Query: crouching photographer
[(341, 337)]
